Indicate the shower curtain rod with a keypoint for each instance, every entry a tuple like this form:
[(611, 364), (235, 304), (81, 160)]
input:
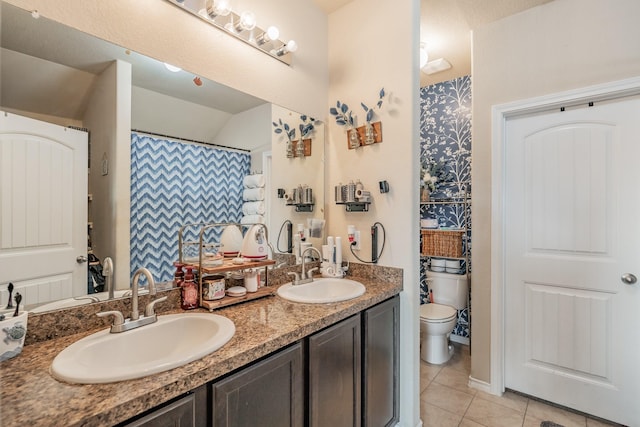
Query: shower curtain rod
[(191, 140)]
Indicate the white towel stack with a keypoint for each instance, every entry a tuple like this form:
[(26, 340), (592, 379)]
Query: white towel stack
[(253, 194), (253, 207), (253, 181)]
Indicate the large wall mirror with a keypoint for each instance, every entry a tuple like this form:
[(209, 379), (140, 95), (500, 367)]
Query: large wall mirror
[(59, 75)]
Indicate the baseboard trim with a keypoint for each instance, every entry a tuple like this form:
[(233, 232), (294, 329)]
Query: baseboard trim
[(480, 385)]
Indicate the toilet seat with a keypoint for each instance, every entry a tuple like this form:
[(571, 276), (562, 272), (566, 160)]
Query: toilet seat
[(437, 313)]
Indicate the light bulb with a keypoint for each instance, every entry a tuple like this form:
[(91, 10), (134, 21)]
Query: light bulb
[(172, 68), (218, 8), (273, 33), (247, 20), (270, 35), (292, 46)]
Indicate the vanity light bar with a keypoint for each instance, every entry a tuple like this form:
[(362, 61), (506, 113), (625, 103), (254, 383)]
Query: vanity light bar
[(242, 27)]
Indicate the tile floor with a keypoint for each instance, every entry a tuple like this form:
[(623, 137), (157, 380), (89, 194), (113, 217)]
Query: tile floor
[(446, 400)]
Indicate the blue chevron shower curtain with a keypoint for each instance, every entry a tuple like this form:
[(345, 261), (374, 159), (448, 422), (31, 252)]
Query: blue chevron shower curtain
[(174, 183)]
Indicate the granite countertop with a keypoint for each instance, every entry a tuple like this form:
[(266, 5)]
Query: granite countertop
[(29, 395)]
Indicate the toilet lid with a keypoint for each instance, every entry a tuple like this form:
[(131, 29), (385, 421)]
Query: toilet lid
[(437, 312)]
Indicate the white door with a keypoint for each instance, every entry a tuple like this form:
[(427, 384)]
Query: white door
[(572, 328), (43, 210)]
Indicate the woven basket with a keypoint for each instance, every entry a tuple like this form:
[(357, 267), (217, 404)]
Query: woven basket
[(443, 243)]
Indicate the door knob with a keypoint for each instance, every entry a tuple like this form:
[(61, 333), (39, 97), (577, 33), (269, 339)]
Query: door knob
[(628, 279), (82, 259)]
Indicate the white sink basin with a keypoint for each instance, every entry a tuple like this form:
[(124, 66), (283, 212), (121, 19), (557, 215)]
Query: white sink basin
[(174, 340), (322, 290)]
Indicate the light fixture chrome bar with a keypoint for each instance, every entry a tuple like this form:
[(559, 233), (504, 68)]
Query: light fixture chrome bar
[(257, 37)]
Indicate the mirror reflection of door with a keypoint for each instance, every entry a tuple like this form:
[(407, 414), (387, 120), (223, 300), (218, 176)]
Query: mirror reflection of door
[(43, 210)]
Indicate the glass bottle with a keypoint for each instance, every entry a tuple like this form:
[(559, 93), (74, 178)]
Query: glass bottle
[(189, 292), (369, 134), (354, 138), (178, 276)]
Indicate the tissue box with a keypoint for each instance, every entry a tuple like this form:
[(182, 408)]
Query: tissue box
[(13, 331)]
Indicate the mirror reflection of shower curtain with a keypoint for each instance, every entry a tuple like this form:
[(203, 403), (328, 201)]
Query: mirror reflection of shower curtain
[(174, 183)]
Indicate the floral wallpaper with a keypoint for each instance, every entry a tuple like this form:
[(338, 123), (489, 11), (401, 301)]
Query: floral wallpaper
[(445, 156)]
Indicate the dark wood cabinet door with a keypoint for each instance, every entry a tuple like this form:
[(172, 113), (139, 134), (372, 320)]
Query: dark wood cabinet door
[(189, 411), (269, 393), (335, 375), (381, 370)]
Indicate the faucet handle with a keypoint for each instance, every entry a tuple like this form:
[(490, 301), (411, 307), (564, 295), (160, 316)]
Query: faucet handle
[(295, 275), (310, 272), (149, 309), (118, 318)]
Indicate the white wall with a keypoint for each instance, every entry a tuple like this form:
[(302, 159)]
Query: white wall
[(155, 112), (108, 116), (561, 45), (374, 44), (62, 121), (251, 130), (291, 172)]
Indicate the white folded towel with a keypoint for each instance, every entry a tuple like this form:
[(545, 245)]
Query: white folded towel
[(253, 194), (252, 219), (253, 181), (253, 208)]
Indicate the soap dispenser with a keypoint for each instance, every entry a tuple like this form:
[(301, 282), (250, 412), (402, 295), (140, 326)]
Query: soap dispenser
[(189, 292)]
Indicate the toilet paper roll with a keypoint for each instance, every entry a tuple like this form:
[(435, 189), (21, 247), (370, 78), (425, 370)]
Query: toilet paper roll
[(253, 181), (253, 208), (253, 194), (360, 194)]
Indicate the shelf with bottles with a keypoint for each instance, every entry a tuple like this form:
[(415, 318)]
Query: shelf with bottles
[(301, 198), (219, 265), (353, 196)]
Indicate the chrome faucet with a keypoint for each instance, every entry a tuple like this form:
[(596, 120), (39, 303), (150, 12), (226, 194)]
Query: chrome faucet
[(135, 321), (306, 276), (107, 272)]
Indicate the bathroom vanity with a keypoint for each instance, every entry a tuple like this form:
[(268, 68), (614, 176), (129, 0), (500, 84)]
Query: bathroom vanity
[(352, 380), (293, 359)]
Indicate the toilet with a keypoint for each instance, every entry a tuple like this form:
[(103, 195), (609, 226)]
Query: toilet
[(437, 319)]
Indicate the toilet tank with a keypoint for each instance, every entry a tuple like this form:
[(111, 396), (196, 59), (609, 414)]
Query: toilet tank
[(450, 289)]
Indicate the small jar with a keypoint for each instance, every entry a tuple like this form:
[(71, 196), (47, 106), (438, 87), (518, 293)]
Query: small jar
[(252, 279), (213, 287)]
